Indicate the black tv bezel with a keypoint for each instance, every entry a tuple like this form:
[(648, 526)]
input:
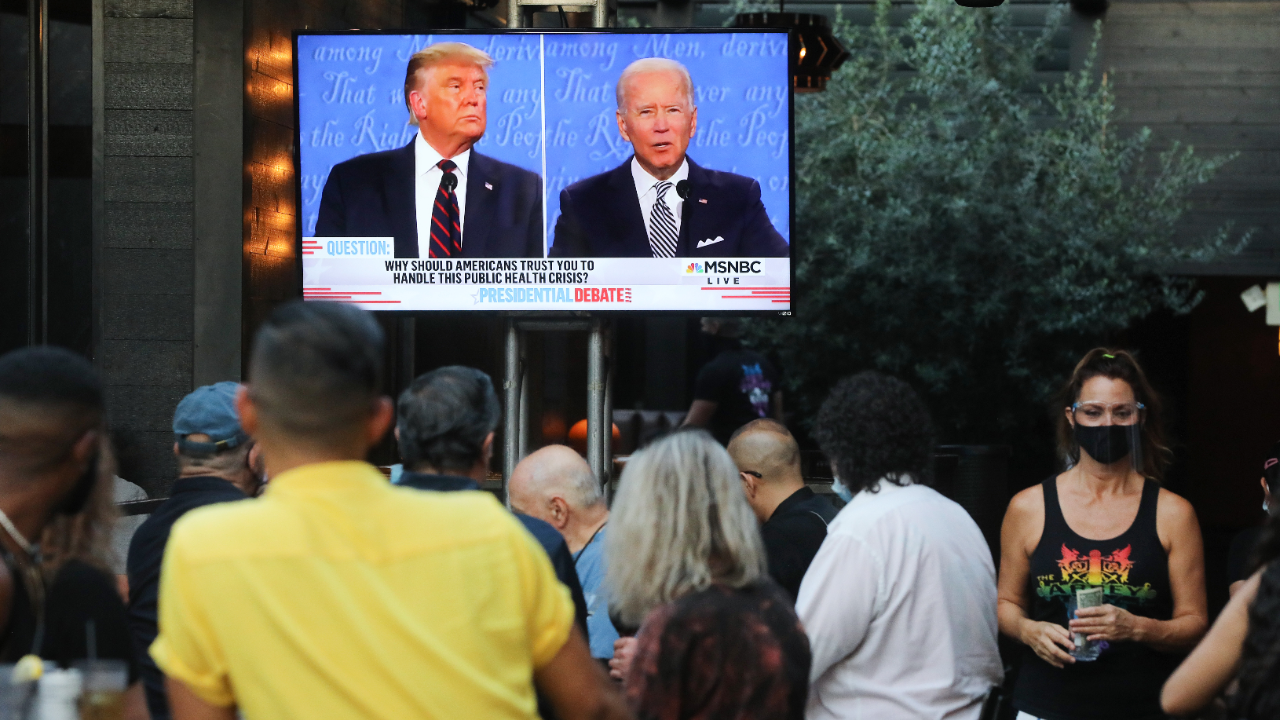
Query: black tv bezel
[(549, 314)]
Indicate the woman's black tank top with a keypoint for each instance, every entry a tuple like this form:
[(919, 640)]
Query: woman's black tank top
[(1133, 571)]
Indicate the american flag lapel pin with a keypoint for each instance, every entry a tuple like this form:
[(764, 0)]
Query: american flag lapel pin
[(487, 186), (702, 200)]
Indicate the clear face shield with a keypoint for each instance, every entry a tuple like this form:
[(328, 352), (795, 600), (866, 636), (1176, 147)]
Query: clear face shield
[(1110, 432)]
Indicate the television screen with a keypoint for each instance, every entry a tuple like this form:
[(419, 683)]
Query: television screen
[(600, 170)]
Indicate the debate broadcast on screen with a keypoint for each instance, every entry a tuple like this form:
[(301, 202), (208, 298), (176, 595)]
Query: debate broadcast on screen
[(546, 170)]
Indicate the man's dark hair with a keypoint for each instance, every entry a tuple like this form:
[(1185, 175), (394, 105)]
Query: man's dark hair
[(51, 385), (48, 376), (444, 417), (874, 426), (316, 368)]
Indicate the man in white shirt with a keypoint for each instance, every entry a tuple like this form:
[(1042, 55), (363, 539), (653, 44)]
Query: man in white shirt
[(437, 196), (900, 601), (660, 203)]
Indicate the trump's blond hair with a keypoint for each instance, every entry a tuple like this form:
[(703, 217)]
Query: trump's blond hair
[(680, 524), (437, 54)]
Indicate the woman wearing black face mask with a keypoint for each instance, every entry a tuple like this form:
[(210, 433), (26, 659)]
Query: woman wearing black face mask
[(1106, 525)]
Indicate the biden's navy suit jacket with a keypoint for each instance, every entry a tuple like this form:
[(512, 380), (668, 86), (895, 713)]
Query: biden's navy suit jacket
[(600, 217), (374, 196)]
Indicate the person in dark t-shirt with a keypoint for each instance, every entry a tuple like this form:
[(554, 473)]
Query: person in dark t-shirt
[(793, 518), (55, 498), (736, 387), (217, 462), (79, 594), (1240, 556)]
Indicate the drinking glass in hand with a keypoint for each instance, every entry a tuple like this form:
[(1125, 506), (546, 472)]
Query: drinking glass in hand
[(104, 685), (1085, 650)]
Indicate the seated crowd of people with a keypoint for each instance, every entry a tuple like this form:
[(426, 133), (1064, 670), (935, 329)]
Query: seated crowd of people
[(285, 577)]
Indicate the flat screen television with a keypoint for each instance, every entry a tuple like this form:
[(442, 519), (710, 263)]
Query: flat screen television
[(546, 170)]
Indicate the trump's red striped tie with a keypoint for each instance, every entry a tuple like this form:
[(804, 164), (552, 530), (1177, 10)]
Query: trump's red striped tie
[(446, 228)]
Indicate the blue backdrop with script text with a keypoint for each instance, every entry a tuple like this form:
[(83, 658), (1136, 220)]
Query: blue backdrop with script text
[(741, 90), (351, 102)]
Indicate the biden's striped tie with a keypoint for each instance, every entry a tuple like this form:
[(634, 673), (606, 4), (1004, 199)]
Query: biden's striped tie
[(446, 230), (663, 235)]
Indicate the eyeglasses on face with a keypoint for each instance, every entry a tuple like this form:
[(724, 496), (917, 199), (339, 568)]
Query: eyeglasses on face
[(1091, 413)]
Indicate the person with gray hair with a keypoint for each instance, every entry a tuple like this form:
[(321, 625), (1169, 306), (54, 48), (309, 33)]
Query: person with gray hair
[(557, 486), (639, 208), (685, 562), (444, 428)]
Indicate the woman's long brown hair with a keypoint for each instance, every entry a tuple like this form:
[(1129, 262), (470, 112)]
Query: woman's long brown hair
[(1116, 365), (85, 536)]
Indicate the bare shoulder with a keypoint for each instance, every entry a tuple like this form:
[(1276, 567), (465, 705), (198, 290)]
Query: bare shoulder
[(1176, 521), (1174, 510), (1027, 505), (1024, 521)]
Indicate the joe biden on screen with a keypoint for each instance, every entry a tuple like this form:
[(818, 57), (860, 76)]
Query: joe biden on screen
[(638, 210), (437, 196)]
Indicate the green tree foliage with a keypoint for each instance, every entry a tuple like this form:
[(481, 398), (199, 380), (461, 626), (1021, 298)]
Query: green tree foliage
[(969, 230)]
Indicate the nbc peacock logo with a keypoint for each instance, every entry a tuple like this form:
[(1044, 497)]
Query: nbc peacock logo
[(694, 268)]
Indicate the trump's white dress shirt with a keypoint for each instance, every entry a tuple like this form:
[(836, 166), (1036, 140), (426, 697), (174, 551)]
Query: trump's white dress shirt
[(900, 608), (647, 191), (426, 184)]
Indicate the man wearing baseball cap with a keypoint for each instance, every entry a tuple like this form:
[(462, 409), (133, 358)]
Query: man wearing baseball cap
[(216, 463), (1240, 556)]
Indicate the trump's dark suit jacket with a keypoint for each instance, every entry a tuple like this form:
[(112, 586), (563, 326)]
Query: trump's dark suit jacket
[(373, 196), (600, 217)]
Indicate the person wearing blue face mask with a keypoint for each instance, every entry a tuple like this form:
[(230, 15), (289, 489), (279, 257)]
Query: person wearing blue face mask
[(1103, 526), (900, 600), (841, 490)]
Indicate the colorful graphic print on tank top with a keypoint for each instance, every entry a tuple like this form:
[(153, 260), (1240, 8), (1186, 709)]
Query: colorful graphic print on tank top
[(1082, 570)]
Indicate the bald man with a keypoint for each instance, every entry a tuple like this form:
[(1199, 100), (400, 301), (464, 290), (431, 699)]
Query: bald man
[(557, 486), (793, 518)]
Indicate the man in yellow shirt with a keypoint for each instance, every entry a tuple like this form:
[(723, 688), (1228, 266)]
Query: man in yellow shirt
[(339, 596)]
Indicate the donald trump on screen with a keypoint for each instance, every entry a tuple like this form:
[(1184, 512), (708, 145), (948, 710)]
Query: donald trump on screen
[(437, 196), (660, 203)]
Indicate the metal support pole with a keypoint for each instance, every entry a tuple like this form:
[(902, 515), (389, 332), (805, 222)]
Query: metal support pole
[(595, 398), (607, 478), (515, 15), (525, 424), (511, 405)]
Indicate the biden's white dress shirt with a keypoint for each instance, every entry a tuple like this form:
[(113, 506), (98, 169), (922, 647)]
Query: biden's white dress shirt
[(647, 191), (900, 608), (426, 184)]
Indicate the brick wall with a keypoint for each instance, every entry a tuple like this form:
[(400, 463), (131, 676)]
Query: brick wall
[(270, 203)]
